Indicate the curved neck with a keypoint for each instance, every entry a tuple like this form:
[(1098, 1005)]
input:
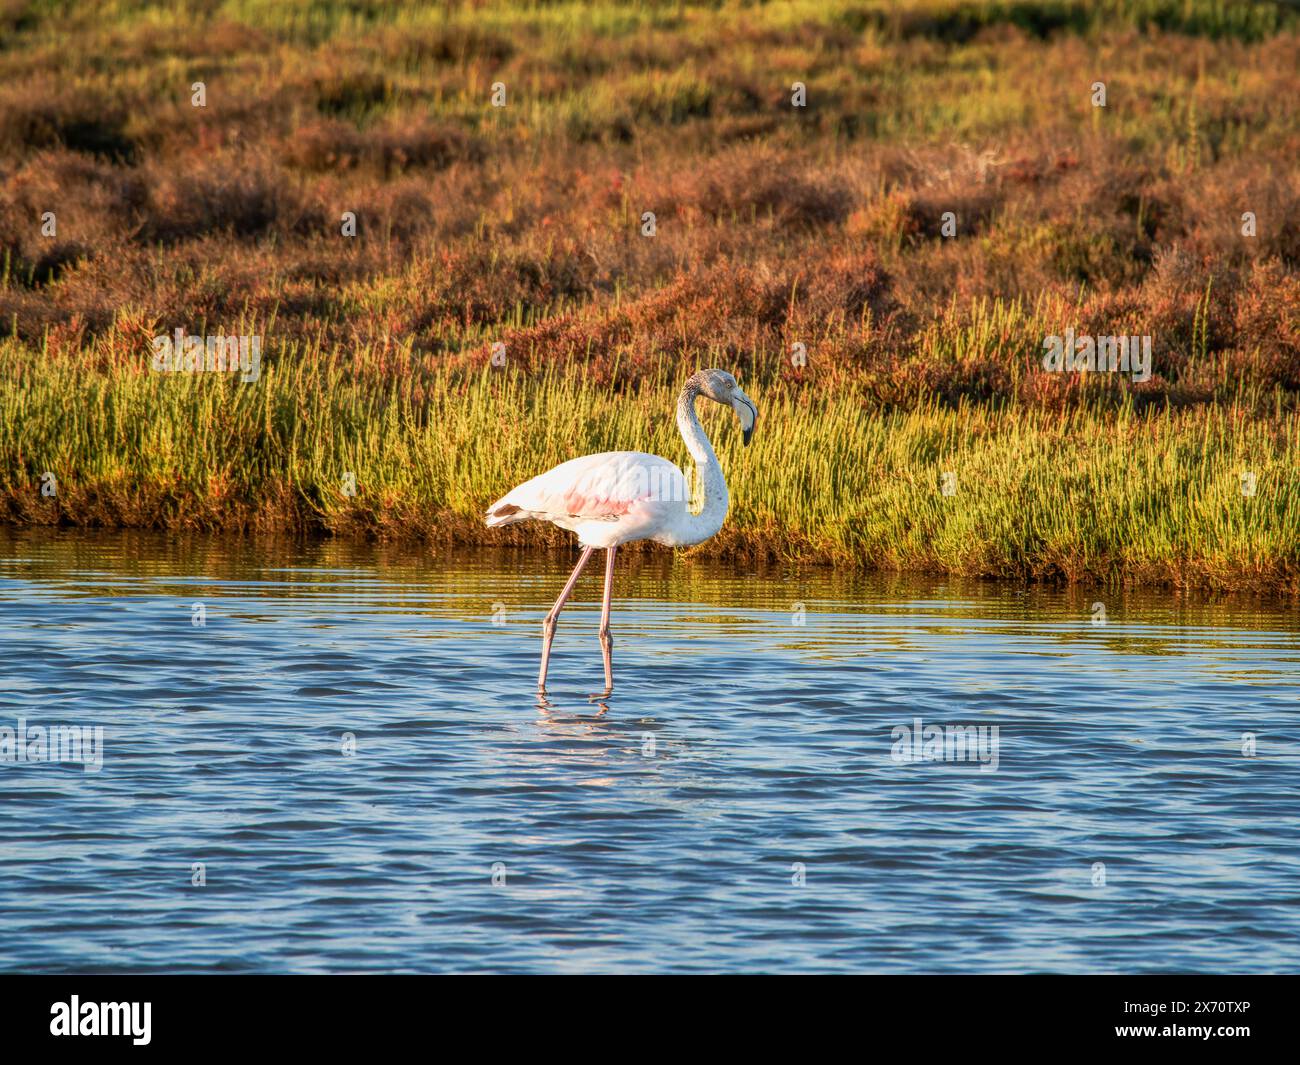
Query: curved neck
[(699, 527)]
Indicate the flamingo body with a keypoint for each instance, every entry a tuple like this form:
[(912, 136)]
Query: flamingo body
[(607, 499)]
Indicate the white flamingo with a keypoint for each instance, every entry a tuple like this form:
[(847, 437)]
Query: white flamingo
[(620, 496)]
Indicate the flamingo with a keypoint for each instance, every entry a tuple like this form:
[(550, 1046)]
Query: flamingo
[(620, 496)]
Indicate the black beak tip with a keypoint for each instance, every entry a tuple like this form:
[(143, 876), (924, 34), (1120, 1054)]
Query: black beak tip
[(747, 435)]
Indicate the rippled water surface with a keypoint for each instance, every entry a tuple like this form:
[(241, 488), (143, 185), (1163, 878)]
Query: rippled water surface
[(741, 803)]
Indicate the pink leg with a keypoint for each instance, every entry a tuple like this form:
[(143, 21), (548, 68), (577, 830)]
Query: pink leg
[(606, 640), (548, 622)]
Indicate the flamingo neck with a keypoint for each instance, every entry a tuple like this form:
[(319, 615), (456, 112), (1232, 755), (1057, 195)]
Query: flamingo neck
[(700, 526)]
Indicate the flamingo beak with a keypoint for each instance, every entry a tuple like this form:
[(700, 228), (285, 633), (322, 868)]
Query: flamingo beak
[(747, 413)]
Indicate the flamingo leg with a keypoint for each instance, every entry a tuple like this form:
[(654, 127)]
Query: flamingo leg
[(548, 622), (606, 640)]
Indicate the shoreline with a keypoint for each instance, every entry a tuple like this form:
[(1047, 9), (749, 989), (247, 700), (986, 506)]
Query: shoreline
[(554, 544), (446, 533), (217, 554)]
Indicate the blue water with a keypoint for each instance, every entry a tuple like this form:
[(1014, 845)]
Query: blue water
[(736, 806)]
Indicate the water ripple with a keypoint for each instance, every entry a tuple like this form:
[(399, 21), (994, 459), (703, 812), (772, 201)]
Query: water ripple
[(350, 747)]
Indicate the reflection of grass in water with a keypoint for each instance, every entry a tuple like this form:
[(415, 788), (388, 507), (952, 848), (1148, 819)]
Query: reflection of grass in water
[(1084, 496), (848, 615)]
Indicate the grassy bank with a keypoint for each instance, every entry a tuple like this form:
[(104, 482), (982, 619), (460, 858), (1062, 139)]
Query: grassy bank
[(126, 213), (1108, 496)]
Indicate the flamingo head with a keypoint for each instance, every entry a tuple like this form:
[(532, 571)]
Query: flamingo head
[(721, 387)]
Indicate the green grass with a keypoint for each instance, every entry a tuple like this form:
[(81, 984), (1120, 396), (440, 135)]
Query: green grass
[(1111, 497)]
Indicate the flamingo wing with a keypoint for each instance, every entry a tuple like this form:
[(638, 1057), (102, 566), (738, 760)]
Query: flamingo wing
[(604, 487)]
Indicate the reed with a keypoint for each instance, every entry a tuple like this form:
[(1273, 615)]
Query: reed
[(1083, 495)]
